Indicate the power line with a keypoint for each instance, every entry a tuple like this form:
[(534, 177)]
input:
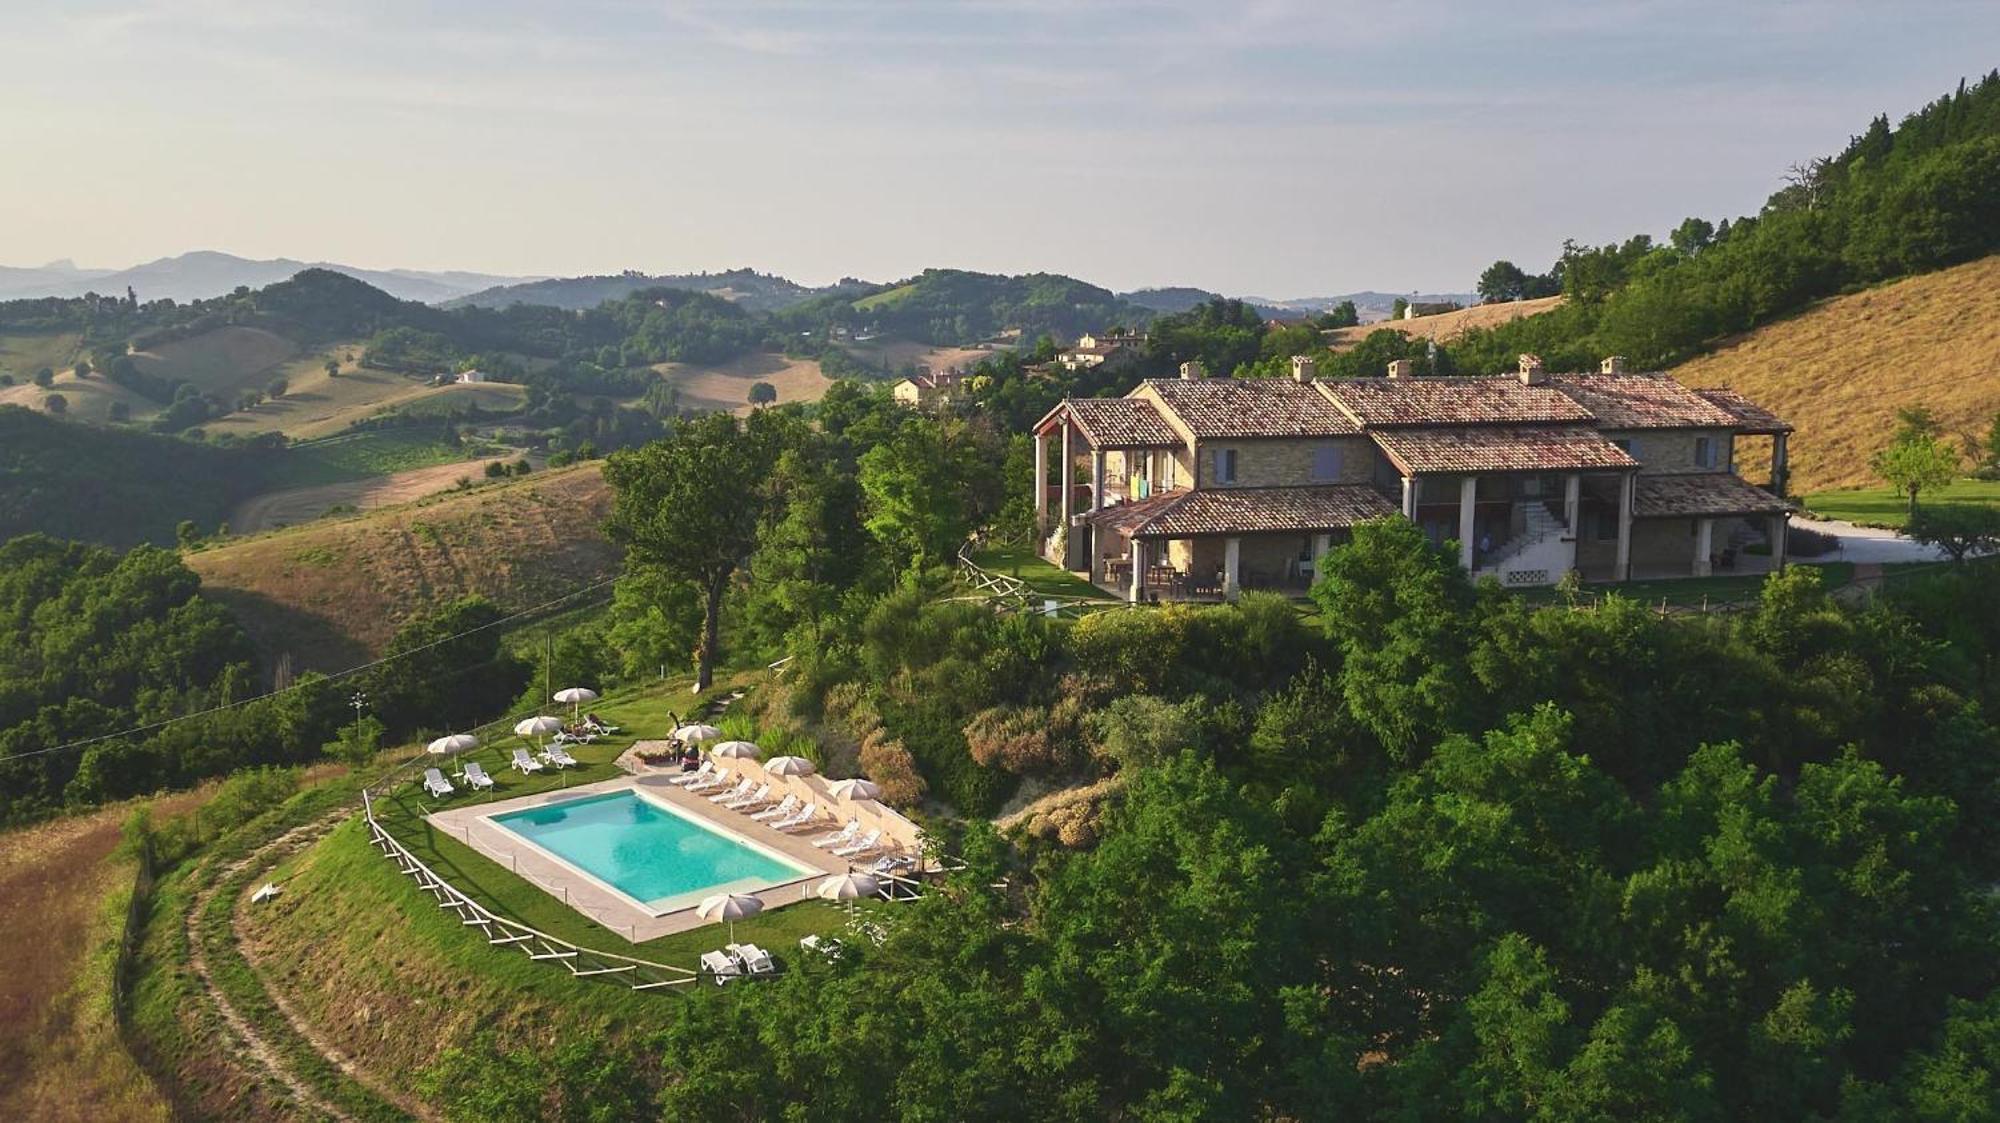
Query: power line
[(334, 677)]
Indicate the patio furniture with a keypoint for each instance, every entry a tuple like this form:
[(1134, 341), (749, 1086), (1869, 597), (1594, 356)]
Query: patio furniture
[(870, 841), (755, 799), (783, 808), (720, 966), (741, 789), (686, 779), (755, 960), (475, 774), (841, 837), (559, 756), (525, 763), (826, 947), (436, 784), (804, 817), (718, 779)]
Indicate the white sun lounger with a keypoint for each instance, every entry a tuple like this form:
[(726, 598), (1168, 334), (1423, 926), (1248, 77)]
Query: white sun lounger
[(841, 837), (475, 774), (785, 807), (755, 799), (525, 763), (804, 817), (686, 779), (870, 841), (741, 789), (559, 756), (755, 960), (718, 779), (436, 784), (720, 966)]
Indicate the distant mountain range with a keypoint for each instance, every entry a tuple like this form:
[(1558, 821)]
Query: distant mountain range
[(757, 292), (206, 273)]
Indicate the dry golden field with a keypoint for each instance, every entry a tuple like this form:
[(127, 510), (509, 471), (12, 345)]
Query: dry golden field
[(224, 361), (897, 354), (727, 386), (85, 399), (1446, 325), (332, 592), (1840, 370)]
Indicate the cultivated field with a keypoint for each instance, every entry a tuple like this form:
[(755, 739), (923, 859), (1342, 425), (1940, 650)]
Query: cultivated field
[(1446, 325), (332, 592), (899, 354), (1841, 369), (315, 405), (727, 386), (225, 361), (293, 506), (85, 399)]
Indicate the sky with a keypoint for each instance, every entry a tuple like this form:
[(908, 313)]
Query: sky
[(1263, 147)]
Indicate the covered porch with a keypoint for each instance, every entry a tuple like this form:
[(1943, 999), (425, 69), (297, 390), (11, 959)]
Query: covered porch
[(1092, 454), (1703, 524)]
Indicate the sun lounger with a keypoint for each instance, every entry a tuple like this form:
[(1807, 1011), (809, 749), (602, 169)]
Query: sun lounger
[(698, 775), (841, 837), (827, 946), (599, 724), (785, 807), (891, 864), (559, 756), (436, 784), (803, 817), (758, 798), (719, 779), (870, 841), (720, 966), (755, 960), (741, 789), (475, 774), (567, 738), (525, 763)]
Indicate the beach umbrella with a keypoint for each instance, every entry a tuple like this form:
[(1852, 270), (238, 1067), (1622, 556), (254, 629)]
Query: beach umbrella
[(848, 887), (789, 766), (855, 789), (456, 743), (539, 726), (736, 750), (730, 907), (575, 697), (698, 732)]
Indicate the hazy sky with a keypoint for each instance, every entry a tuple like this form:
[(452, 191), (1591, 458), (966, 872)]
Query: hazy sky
[(1269, 147)]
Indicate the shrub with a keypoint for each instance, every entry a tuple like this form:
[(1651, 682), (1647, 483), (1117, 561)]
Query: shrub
[(1804, 542), (890, 765), (1017, 739)]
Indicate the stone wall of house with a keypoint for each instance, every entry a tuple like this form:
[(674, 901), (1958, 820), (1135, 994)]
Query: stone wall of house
[(1270, 558), (1288, 462), (1663, 545), (1672, 450)]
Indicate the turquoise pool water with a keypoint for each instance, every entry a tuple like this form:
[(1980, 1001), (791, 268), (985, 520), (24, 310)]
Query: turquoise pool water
[(647, 852)]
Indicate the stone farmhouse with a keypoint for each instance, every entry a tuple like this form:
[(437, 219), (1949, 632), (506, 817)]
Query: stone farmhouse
[(1113, 348), (1198, 487), (930, 391)]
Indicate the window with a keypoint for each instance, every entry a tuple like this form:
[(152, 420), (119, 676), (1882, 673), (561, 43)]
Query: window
[(1167, 476), (1704, 452), (1326, 462), (1630, 446), (1225, 465)]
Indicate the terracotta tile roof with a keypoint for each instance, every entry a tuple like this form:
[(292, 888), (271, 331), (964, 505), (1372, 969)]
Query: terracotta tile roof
[(1392, 402), (1749, 416), (1703, 493), (1112, 422), (1501, 449), (1222, 408), (1248, 510), (1642, 401)]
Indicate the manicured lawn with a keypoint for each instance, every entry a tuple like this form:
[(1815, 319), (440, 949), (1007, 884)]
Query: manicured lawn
[(1686, 591), (1882, 506), (1040, 575)]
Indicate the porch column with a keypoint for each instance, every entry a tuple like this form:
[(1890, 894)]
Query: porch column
[(1704, 537), (1041, 483), (1232, 564), (1572, 502), (1067, 467), (1781, 468), (1097, 479), (1138, 591), (1410, 498), (1626, 486), (1468, 497), (1779, 522)]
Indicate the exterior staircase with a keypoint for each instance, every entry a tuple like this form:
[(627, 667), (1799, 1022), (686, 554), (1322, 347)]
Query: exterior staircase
[(1542, 524)]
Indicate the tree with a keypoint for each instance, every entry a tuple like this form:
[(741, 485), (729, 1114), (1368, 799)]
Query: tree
[(119, 411), (187, 535), (1959, 529), (1502, 281), (1916, 462), (333, 368), (277, 387), (1397, 309), (45, 378), (1693, 235), (1342, 315), (82, 368), (689, 506), (917, 487), (358, 741), (762, 393), (1991, 463), (56, 404)]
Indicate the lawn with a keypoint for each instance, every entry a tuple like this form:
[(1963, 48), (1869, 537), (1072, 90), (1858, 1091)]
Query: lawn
[(644, 714), (1684, 592), (1882, 506), (1041, 576), (360, 457)]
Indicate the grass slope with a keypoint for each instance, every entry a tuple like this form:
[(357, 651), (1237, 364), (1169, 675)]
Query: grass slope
[(23, 354), (1841, 369), (225, 361), (1446, 325), (316, 405), (112, 486), (727, 385), (334, 591), (1883, 506)]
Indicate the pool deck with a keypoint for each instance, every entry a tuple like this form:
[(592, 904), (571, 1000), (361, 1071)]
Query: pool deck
[(472, 825)]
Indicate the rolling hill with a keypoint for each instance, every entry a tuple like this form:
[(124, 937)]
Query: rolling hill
[(757, 292), (1840, 369), (1446, 325), (332, 592), (205, 273)]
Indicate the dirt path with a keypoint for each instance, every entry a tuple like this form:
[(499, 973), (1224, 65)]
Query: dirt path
[(304, 504), (259, 1052)]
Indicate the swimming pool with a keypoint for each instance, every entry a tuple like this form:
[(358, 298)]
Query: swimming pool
[(651, 853)]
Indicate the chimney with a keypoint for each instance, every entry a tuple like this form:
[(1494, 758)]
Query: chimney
[(1532, 373), (1613, 364), (1402, 368), (1304, 368), (1193, 369)]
